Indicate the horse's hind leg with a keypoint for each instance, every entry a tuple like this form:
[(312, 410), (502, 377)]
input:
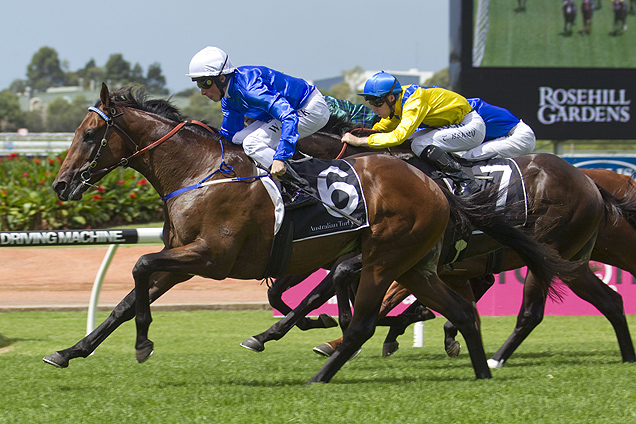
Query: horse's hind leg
[(590, 288), (275, 298), (123, 312), (438, 296), (530, 315), (318, 296), (416, 312), (479, 287)]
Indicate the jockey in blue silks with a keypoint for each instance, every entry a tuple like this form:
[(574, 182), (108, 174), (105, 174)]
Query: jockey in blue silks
[(507, 136), (284, 109)]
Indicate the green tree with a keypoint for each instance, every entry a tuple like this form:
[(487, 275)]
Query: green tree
[(202, 109), (155, 81), (18, 86), (439, 78), (32, 120), (63, 116), (10, 114), (91, 72), (117, 70), (45, 70), (137, 74), (351, 78), (188, 92)]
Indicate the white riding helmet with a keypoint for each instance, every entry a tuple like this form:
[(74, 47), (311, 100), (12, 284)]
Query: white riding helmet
[(210, 62)]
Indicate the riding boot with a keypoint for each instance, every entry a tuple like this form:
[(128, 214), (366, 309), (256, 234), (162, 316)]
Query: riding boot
[(464, 184), (300, 192)]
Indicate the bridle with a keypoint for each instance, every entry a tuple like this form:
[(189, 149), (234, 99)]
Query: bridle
[(110, 123)]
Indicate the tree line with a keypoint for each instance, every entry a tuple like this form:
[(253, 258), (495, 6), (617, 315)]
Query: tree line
[(46, 70)]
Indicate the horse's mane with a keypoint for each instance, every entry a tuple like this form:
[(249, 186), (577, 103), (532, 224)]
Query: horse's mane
[(136, 97), (338, 125)]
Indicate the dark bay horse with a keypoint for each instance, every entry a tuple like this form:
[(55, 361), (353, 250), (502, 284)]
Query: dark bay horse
[(226, 229), (615, 245), (558, 225)]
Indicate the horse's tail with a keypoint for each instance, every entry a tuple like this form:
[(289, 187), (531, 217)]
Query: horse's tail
[(478, 212), (623, 207)]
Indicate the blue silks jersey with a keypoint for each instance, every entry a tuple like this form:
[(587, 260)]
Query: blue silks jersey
[(264, 94), (499, 121)]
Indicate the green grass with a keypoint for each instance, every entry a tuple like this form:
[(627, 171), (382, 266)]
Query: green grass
[(535, 38), (569, 370)]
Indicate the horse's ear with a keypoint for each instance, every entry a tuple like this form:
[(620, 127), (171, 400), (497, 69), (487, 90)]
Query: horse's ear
[(104, 96)]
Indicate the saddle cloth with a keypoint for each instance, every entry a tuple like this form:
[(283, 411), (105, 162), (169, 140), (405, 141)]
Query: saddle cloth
[(338, 185), (506, 175)]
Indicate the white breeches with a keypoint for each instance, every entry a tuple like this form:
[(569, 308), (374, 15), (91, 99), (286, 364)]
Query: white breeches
[(519, 141), (452, 138), (260, 139)]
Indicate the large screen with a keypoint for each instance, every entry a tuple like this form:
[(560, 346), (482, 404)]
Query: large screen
[(566, 76)]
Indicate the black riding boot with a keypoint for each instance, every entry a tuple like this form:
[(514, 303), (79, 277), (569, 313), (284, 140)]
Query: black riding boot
[(300, 192), (464, 184)]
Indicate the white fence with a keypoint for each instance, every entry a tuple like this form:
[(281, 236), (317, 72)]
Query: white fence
[(36, 144), (111, 237)]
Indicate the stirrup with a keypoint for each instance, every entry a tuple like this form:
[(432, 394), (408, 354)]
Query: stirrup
[(466, 188)]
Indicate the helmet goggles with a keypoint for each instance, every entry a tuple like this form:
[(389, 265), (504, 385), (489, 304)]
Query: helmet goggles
[(204, 82), (375, 101)]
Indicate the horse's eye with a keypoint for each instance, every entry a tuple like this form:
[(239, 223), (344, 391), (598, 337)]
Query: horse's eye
[(90, 136)]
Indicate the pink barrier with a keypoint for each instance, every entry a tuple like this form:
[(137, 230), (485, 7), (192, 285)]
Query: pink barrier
[(504, 298)]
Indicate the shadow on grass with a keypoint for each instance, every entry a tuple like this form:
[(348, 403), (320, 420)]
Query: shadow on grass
[(6, 342), (569, 357)]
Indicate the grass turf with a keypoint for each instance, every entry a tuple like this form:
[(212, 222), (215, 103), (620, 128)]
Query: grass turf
[(568, 370), (535, 38)]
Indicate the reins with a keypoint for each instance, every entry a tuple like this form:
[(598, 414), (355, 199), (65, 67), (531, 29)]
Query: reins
[(342, 151), (224, 168)]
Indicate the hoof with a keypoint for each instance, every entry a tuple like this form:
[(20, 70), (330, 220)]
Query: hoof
[(454, 349), (253, 345), (324, 349), (328, 321), (145, 352), (56, 360), (494, 364), (355, 354), (389, 349)]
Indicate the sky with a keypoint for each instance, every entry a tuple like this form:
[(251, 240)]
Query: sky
[(310, 40)]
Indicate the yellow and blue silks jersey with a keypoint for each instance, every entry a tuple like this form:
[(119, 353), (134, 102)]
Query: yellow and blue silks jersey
[(419, 107)]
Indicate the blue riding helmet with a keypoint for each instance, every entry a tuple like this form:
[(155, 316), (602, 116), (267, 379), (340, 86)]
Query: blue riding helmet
[(380, 85)]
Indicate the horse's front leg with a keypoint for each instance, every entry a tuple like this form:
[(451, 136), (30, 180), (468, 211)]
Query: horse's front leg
[(431, 291), (191, 259), (123, 312)]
